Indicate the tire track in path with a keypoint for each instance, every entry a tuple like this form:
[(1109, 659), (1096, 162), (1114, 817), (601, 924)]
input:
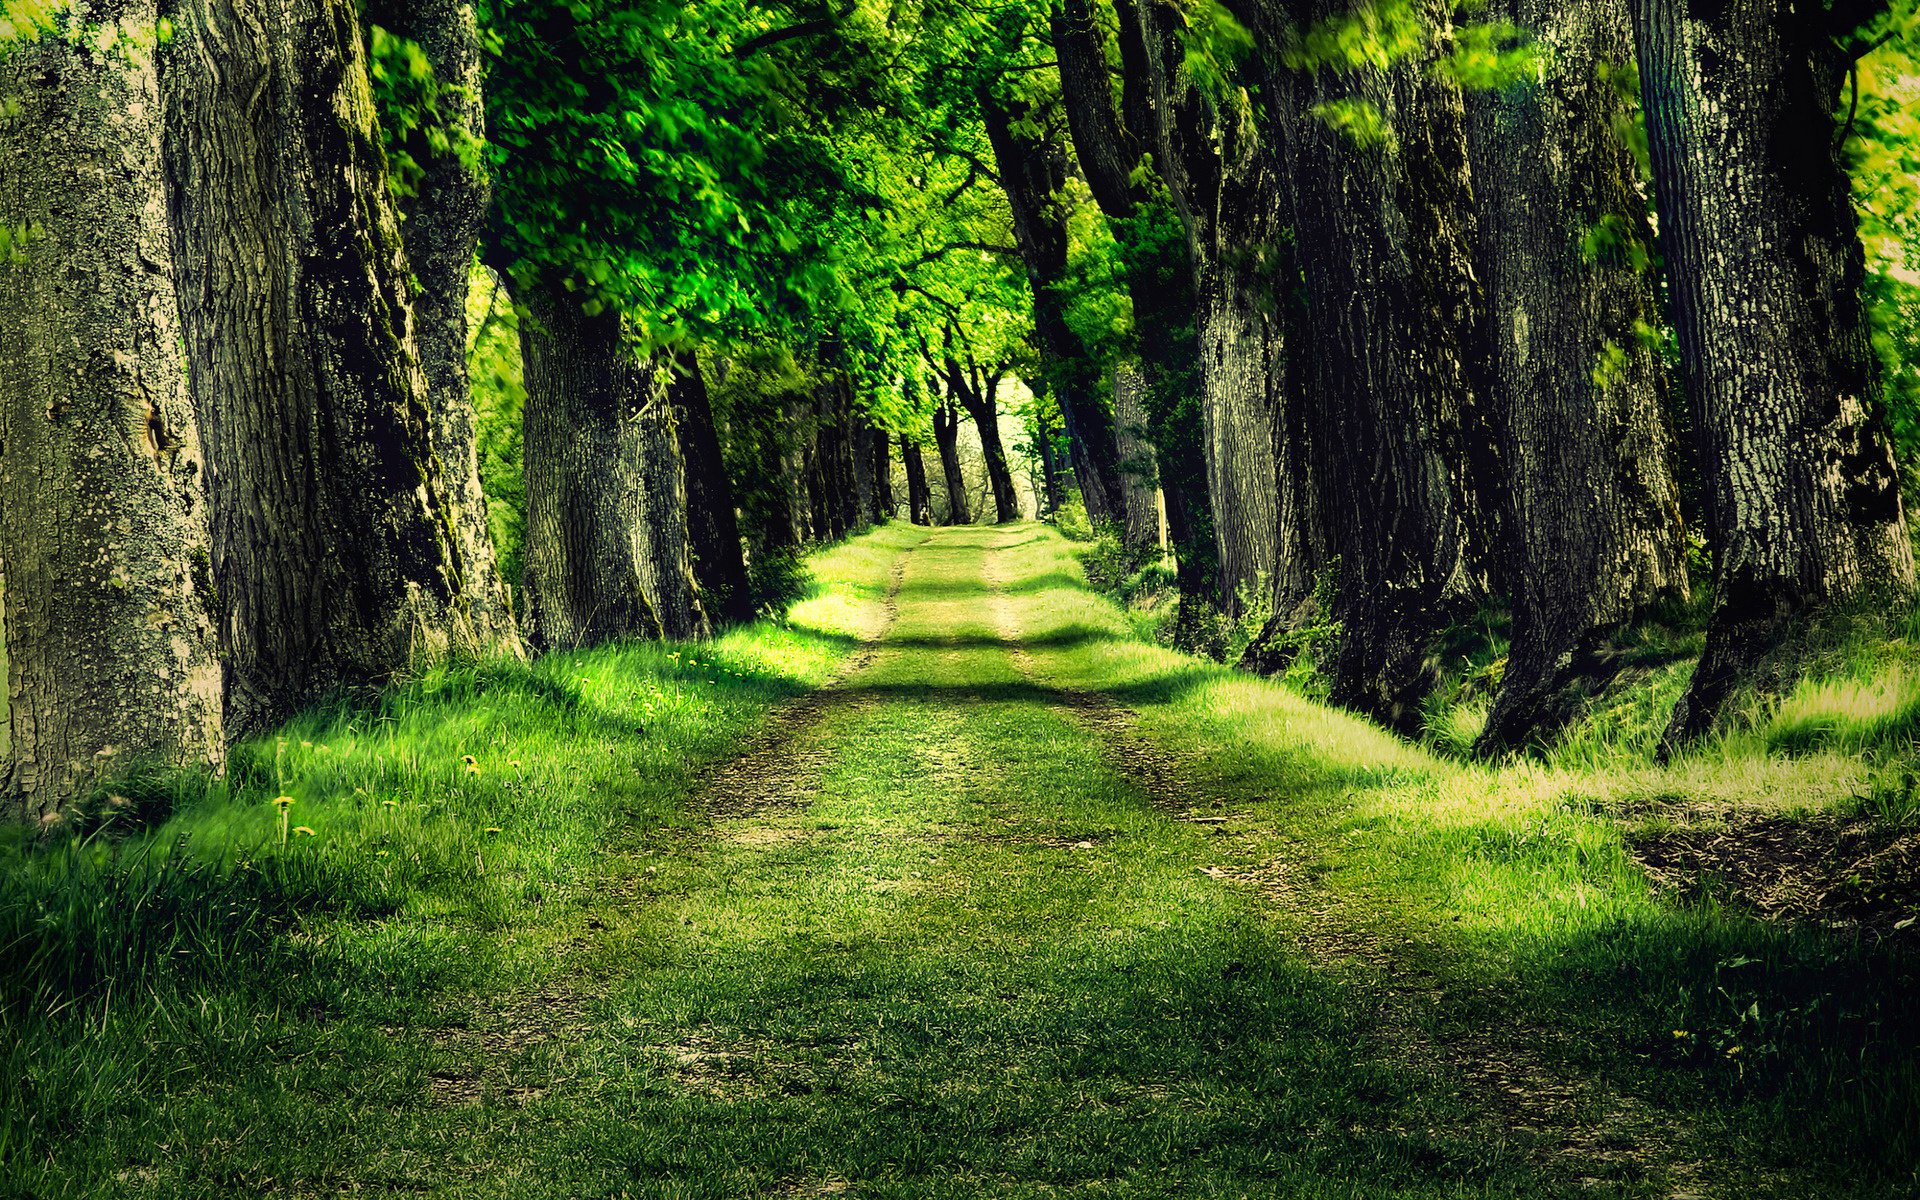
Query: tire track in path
[(1579, 1129)]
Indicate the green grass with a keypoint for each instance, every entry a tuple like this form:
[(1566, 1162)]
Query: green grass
[(956, 951)]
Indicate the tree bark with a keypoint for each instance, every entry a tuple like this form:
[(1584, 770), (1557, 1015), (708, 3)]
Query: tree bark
[(946, 436), (441, 228), (1033, 171), (1384, 234), (1576, 392), (719, 564), (1742, 100), (108, 653), (919, 497), (1136, 458), (1227, 183), (607, 544), (333, 552)]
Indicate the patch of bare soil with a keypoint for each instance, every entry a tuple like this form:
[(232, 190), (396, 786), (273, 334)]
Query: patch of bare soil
[(483, 1050), (1855, 873), (1586, 1132)]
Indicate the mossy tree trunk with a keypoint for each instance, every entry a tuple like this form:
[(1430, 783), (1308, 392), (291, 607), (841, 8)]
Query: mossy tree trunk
[(334, 551), (608, 549), (441, 227), (1576, 381), (1382, 219), (1743, 110), (107, 634)]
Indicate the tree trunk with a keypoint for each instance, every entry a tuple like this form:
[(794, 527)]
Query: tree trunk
[(1383, 229), (946, 435), (1758, 232), (333, 553), (1033, 171), (108, 653), (1046, 452), (719, 565), (666, 534), (981, 400), (441, 228), (1576, 390), (1136, 458), (919, 498), (1227, 183), (583, 445), (881, 456)]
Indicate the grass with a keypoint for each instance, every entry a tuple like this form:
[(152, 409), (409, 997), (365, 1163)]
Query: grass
[(945, 942)]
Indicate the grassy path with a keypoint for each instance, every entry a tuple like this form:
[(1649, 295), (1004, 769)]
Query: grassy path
[(1021, 907)]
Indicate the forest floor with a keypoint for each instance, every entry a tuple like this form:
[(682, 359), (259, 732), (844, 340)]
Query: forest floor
[(1016, 906)]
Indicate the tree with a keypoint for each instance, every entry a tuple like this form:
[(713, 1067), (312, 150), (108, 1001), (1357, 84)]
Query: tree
[(946, 437), (426, 69), (719, 566), (919, 498), (607, 549), (977, 389), (1576, 380), (1033, 170), (1373, 146), (333, 554), (107, 629), (1803, 505)]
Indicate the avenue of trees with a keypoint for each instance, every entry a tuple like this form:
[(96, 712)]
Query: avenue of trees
[(1392, 313)]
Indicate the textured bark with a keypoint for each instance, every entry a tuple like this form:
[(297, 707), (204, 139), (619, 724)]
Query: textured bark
[(946, 437), (1384, 237), (919, 496), (719, 564), (1576, 385), (666, 535), (107, 638), (1049, 470), (1136, 458), (333, 551), (1227, 184), (1033, 172), (606, 555), (1759, 235), (441, 229)]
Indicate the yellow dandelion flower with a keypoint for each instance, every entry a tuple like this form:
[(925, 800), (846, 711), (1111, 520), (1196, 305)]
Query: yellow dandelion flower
[(283, 803), (390, 804), (306, 829), (493, 829)]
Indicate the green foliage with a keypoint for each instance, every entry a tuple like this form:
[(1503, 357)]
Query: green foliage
[(415, 125), (494, 373)]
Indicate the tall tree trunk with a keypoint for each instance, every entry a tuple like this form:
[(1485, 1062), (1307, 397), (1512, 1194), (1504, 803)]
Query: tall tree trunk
[(441, 229), (946, 436), (333, 553), (981, 400), (1044, 449), (666, 534), (1384, 234), (919, 497), (1033, 171), (719, 565), (582, 446), (107, 634), (880, 455), (1226, 180), (1576, 389), (1758, 232), (1136, 458), (794, 468)]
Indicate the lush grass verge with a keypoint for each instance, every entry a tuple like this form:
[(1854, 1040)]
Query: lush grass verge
[(184, 933), (1789, 1054)]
